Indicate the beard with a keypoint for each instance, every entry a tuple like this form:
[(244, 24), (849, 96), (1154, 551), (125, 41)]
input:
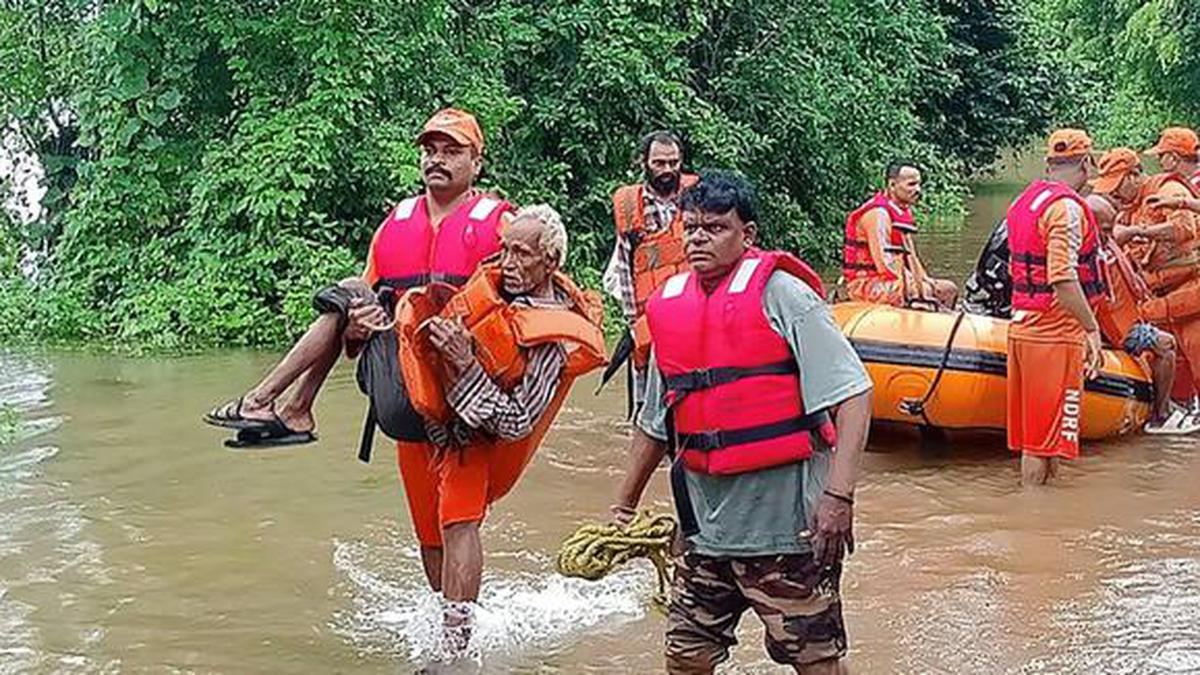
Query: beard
[(665, 184)]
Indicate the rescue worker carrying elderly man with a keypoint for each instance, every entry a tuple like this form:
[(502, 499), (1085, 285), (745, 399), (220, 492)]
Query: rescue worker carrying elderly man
[(468, 337), (466, 370)]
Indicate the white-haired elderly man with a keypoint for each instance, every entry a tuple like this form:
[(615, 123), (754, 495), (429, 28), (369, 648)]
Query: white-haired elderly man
[(488, 371)]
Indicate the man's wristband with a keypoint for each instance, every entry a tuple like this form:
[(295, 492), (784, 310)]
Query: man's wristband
[(840, 498)]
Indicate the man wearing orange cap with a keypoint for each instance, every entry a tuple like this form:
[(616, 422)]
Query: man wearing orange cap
[(440, 235), (1177, 150), (1117, 188), (1164, 244), (879, 256), (1054, 339)]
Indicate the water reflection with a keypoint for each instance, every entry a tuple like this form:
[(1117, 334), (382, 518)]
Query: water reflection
[(130, 540)]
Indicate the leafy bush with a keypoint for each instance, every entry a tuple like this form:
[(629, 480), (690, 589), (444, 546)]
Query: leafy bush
[(212, 163)]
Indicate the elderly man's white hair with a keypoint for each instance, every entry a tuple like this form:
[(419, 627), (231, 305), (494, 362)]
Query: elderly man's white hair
[(554, 234)]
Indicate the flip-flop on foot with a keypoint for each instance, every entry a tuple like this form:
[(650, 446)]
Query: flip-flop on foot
[(230, 416)]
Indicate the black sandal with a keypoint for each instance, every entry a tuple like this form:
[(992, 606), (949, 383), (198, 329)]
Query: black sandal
[(230, 416), (273, 434)]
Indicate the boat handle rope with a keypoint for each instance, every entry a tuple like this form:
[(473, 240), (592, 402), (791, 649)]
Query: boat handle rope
[(917, 407)]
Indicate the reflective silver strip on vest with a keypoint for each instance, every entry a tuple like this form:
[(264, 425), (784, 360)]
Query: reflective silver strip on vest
[(744, 273), (483, 208), (404, 209)]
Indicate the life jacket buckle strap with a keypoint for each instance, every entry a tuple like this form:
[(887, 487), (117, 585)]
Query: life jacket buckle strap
[(707, 378), (704, 441), (707, 441)]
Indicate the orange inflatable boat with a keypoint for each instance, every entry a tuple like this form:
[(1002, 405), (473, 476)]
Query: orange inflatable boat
[(904, 350)]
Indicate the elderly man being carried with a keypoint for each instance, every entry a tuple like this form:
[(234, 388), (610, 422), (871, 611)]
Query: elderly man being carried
[(488, 371)]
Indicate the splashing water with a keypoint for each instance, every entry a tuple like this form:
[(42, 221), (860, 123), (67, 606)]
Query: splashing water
[(41, 531), (518, 613)]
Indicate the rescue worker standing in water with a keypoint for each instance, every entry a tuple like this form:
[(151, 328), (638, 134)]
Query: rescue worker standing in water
[(879, 258), (1053, 339), (747, 375), (649, 246)]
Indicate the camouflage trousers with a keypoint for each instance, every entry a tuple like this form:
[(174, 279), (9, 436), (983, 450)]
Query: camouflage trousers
[(797, 600)]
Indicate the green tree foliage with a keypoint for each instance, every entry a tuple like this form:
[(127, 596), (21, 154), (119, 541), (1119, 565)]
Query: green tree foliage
[(1132, 66), (212, 163)]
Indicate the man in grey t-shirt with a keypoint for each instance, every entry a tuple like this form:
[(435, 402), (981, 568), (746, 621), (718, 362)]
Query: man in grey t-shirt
[(770, 539)]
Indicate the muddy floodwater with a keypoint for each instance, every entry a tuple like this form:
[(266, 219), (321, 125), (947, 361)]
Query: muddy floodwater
[(131, 541)]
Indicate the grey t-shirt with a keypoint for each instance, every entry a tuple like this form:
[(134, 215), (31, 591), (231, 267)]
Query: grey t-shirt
[(762, 512)]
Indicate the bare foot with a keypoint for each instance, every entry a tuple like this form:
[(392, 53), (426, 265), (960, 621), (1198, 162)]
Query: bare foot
[(1037, 470), (254, 408), (297, 419)]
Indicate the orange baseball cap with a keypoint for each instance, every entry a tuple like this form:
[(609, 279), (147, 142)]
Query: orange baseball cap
[(457, 124), (1179, 140), (1113, 167), (1068, 143)]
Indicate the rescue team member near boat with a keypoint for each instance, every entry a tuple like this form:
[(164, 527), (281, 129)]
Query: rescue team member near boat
[(488, 372), (1166, 243), (439, 235), (1177, 150), (1053, 339), (879, 257), (747, 372), (1122, 323), (649, 246)]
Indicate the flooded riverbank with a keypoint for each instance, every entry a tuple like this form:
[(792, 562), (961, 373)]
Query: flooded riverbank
[(131, 541)]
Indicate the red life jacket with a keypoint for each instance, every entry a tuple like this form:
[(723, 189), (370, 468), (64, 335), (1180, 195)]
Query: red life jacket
[(408, 251), (1031, 289), (733, 386), (857, 262)]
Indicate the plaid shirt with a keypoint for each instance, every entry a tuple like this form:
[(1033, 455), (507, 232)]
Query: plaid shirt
[(618, 276), (481, 405)]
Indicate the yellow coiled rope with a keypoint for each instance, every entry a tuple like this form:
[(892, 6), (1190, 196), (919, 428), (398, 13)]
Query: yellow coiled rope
[(596, 549)]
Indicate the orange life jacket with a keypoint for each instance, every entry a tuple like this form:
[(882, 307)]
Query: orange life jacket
[(1119, 310), (1181, 303), (501, 332), (657, 256), (857, 262), (1165, 265)]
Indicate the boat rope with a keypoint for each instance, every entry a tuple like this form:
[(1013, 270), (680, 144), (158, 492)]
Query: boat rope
[(917, 407), (596, 549)]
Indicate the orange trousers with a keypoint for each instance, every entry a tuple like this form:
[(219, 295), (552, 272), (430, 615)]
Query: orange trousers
[(1046, 357), (458, 485)]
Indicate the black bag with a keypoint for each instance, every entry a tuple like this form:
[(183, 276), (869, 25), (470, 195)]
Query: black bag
[(378, 372), (379, 377)]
